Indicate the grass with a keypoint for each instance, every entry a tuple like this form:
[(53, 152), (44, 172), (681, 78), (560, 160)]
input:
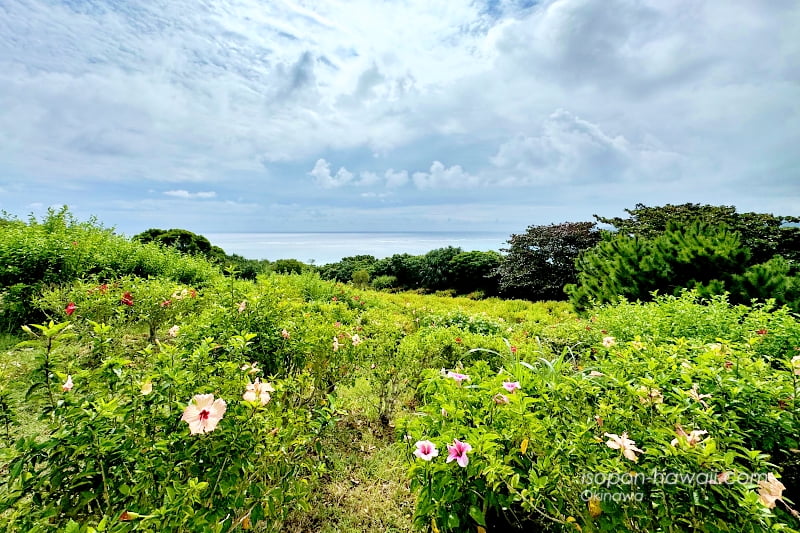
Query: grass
[(16, 365), (366, 489)]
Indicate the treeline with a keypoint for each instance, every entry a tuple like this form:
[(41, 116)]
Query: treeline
[(444, 269), (654, 250), (663, 250), (197, 245), (712, 249)]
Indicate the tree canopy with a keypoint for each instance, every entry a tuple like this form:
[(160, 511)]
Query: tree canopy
[(765, 235), (541, 261)]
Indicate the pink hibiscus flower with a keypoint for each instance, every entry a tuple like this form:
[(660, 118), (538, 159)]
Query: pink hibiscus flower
[(204, 413)]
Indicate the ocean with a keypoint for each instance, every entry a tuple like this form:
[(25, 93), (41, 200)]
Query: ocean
[(323, 248)]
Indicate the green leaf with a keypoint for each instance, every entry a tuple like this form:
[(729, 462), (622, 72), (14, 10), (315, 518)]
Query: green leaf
[(477, 515)]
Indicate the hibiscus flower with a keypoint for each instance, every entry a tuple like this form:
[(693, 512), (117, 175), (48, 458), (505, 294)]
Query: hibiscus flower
[(204, 413)]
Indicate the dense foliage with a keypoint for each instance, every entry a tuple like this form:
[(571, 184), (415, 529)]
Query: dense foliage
[(443, 269), (660, 426), (186, 400), (696, 255), (59, 249), (541, 261), (765, 235), (191, 243)]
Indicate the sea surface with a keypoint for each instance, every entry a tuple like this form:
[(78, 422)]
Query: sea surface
[(325, 248)]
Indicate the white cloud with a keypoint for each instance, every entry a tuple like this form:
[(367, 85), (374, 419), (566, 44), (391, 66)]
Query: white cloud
[(181, 193), (367, 178), (441, 177), (323, 177), (227, 95), (395, 179), (569, 149)]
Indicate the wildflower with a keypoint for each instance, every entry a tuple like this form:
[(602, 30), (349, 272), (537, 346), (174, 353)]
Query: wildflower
[(334, 299), (251, 368), (173, 331), (714, 346), (192, 293), (650, 395), (761, 331), (127, 299), (513, 349), (70, 308), (180, 295), (696, 396), (335, 344), (356, 339), (443, 411), (285, 334), (337, 324), (692, 438), (624, 444), (242, 306), (728, 365), (595, 374), (770, 490), (103, 288), (166, 303), (608, 342), (511, 386), (67, 386), (203, 413), (458, 377), (426, 450), (458, 340), (796, 365), (127, 516), (458, 451), (599, 420), (501, 399), (147, 388), (258, 392)]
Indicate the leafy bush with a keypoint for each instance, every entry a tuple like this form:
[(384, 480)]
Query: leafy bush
[(361, 278), (552, 447), (382, 283), (119, 455), (60, 250)]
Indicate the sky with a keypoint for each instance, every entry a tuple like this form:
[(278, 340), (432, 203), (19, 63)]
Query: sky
[(395, 115)]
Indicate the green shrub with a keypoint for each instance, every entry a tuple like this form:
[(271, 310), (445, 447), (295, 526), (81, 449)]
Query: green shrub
[(119, 456), (60, 250), (547, 455), (382, 283)]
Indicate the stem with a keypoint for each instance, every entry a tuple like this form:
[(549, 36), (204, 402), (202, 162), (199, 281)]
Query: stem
[(219, 475), (794, 398), (46, 366)]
